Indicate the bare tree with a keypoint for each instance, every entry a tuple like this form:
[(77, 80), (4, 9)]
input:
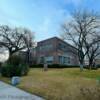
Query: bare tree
[(29, 41), (79, 30), (14, 39), (93, 52)]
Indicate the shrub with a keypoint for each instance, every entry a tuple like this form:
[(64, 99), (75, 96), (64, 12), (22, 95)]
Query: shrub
[(6, 70), (9, 70), (24, 69), (15, 60), (14, 67)]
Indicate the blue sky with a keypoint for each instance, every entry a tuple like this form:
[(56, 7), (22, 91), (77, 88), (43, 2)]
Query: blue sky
[(44, 17)]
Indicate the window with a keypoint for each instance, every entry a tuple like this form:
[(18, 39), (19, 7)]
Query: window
[(64, 60), (61, 46), (49, 60), (60, 59), (68, 58), (41, 59), (46, 47)]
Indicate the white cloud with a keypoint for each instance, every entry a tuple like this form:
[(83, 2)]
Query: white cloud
[(44, 27), (3, 55)]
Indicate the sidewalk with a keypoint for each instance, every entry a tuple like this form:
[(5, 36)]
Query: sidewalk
[(8, 92)]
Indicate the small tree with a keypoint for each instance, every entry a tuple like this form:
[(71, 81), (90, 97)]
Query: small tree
[(29, 41)]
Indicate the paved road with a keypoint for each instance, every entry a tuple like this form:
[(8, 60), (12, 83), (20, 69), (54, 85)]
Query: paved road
[(8, 92)]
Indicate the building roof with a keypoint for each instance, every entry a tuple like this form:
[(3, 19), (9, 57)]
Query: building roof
[(57, 39)]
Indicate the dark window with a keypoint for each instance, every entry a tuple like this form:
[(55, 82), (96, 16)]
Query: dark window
[(62, 46), (60, 59), (41, 59), (46, 47), (64, 60)]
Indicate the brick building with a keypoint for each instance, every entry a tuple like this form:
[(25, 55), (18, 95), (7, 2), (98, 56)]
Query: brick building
[(56, 51)]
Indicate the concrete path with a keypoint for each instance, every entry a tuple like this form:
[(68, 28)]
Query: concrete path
[(8, 92)]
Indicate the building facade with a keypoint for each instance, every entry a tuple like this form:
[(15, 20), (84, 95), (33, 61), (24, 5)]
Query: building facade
[(56, 51)]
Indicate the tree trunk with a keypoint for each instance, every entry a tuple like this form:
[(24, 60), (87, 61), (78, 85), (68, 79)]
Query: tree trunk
[(81, 67), (81, 64), (90, 64), (28, 57), (10, 54), (81, 59)]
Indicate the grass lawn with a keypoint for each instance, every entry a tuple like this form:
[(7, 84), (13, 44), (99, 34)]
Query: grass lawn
[(62, 84)]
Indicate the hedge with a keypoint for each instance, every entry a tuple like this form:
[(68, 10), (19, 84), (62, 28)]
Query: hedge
[(54, 66)]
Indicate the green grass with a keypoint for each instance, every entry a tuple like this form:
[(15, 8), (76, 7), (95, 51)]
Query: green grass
[(62, 84)]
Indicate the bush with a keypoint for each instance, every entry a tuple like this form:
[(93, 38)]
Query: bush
[(15, 60), (24, 69), (9, 70), (14, 67), (6, 70)]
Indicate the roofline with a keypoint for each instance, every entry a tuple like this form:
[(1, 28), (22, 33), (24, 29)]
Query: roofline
[(46, 39), (58, 39), (67, 43)]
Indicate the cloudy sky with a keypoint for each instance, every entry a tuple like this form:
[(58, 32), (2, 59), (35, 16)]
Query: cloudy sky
[(43, 17)]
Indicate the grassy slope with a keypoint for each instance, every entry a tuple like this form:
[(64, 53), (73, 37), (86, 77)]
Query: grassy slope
[(62, 84)]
